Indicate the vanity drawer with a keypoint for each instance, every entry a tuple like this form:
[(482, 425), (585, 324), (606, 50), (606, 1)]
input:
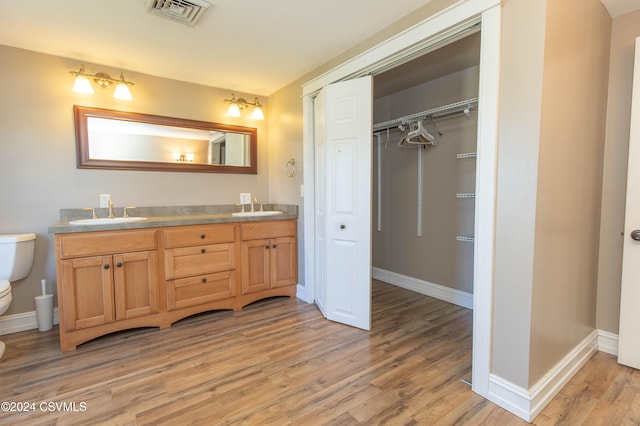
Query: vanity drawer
[(189, 261), (199, 234), (201, 289), (96, 243), (273, 229)]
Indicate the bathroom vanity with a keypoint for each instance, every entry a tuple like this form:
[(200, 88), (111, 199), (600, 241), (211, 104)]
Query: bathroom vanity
[(154, 272)]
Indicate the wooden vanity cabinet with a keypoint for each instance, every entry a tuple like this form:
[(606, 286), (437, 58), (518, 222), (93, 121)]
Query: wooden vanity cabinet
[(151, 277), (106, 277), (200, 264), (269, 256)]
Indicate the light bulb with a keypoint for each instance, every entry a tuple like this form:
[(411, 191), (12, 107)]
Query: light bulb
[(83, 85), (257, 113), (234, 110), (122, 92)]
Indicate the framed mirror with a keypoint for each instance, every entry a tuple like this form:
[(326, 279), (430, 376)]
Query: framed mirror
[(108, 139)]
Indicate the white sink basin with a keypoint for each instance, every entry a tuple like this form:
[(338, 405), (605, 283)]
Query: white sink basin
[(106, 221), (263, 213)]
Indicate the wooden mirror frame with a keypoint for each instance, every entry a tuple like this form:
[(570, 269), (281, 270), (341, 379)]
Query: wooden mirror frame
[(81, 114)]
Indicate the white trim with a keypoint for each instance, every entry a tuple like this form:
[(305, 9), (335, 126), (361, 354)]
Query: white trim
[(308, 214), (608, 342), (485, 208), (451, 295), (22, 322), (303, 294), (527, 404)]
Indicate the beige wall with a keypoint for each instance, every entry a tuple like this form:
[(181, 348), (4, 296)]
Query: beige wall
[(549, 185), (569, 189), (522, 64), (624, 32), (285, 143), (38, 162)]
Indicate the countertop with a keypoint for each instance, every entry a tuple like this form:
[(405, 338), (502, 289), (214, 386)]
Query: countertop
[(168, 216)]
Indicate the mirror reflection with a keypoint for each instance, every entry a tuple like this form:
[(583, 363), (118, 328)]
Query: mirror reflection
[(121, 140)]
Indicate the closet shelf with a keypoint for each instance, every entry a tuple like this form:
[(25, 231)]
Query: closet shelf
[(470, 195), (465, 239), (467, 155), (441, 111)]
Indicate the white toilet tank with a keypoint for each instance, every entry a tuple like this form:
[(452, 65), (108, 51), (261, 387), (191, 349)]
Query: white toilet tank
[(16, 255)]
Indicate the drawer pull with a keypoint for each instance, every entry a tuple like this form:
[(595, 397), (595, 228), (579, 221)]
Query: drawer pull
[(105, 266), (204, 280), (203, 251), (119, 264), (202, 236)]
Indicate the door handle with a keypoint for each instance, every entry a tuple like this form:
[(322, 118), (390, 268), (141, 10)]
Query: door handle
[(635, 235)]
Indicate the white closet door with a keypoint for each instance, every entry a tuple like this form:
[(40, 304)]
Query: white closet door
[(345, 255), (629, 337)]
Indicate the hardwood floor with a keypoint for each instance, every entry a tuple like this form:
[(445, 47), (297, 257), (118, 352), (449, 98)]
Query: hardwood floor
[(279, 362)]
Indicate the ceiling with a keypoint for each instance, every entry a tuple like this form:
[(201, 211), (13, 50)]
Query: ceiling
[(618, 8), (248, 46)]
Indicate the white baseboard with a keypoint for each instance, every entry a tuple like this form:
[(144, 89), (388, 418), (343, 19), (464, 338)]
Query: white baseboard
[(22, 322), (303, 294), (457, 297), (527, 404), (608, 342)]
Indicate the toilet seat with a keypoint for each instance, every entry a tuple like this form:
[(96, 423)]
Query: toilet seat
[(5, 286)]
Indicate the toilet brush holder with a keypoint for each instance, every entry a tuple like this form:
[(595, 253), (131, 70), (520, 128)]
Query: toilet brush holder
[(44, 312)]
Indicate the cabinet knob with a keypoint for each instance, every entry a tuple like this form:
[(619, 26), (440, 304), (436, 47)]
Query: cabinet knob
[(105, 266), (119, 264), (202, 236), (204, 280), (273, 246), (202, 251), (267, 246), (635, 235), (342, 226)]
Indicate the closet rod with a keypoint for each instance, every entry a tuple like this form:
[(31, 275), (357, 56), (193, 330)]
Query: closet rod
[(438, 112)]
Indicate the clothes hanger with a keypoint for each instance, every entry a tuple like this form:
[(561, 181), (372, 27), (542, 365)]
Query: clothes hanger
[(420, 135)]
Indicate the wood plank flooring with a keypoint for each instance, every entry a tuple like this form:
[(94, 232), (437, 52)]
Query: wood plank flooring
[(279, 362)]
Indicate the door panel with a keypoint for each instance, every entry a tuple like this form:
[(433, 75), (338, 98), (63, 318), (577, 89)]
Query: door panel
[(348, 150), (629, 337)]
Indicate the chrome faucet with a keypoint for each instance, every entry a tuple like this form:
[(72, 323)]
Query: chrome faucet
[(255, 200), (111, 215)]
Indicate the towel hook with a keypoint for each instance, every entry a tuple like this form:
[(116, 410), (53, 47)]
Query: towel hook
[(291, 167)]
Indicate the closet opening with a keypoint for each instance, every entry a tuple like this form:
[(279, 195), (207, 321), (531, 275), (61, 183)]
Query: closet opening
[(425, 137)]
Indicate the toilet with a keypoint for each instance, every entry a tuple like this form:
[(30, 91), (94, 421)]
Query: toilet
[(16, 258)]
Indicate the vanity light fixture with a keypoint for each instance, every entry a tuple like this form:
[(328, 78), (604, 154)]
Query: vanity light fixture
[(240, 104), (83, 84), (181, 157)]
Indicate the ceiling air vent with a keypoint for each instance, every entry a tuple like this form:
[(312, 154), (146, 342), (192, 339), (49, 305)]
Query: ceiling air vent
[(185, 11)]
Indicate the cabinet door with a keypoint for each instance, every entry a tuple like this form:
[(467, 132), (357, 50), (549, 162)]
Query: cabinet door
[(87, 292), (283, 261), (255, 266), (136, 284)]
